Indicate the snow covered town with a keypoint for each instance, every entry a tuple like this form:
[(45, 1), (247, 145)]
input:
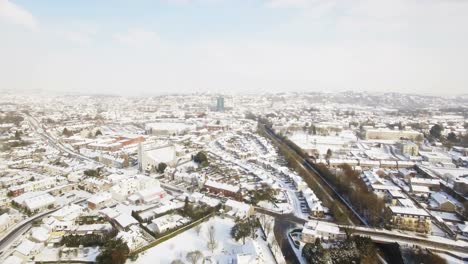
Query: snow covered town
[(274, 178)]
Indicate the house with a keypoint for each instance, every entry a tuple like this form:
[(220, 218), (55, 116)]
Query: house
[(167, 222), (36, 201), (463, 229), (408, 148), (421, 191), (69, 212), (149, 159), (392, 134), (27, 249), (40, 234), (394, 196), (314, 203), (129, 186), (5, 222), (239, 209), (410, 218), (252, 254), (99, 200), (125, 221), (149, 195), (443, 203), (323, 230), (432, 184), (223, 189)]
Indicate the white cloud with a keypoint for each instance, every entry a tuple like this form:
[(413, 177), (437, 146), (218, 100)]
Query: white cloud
[(138, 38), (81, 33), (291, 3), (14, 14)]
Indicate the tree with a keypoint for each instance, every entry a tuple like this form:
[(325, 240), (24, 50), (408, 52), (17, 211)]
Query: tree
[(241, 230), (268, 228), (187, 207), (18, 135), (436, 131), (200, 158), (419, 138), (114, 251), (194, 256), (212, 243), (452, 137), (162, 167), (315, 253), (329, 154), (66, 132), (177, 261), (197, 229), (98, 133)]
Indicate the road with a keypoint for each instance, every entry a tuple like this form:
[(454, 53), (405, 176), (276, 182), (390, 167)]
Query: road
[(381, 235), (20, 228), (40, 130), (433, 243), (23, 226)]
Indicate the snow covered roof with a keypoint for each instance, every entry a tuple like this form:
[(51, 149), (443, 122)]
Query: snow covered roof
[(406, 202), (26, 247), (420, 189), (440, 198), (100, 198), (164, 154), (222, 186), (13, 260), (125, 220), (418, 181), (40, 234), (109, 212), (319, 226), (408, 211), (4, 219), (39, 201), (70, 211), (240, 206)]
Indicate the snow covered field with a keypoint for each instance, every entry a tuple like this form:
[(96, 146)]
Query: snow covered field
[(226, 251)]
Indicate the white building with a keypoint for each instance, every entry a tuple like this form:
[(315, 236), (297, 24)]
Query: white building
[(239, 209), (323, 230), (99, 200), (167, 222)]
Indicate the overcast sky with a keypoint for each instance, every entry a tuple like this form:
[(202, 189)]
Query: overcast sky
[(166, 46)]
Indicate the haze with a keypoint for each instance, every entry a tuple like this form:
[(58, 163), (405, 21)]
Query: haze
[(152, 47)]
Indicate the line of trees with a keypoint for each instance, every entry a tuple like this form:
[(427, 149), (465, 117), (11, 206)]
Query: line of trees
[(452, 138), (352, 187), (89, 240)]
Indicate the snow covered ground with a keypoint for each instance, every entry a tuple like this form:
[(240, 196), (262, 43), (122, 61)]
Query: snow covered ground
[(226, 251)]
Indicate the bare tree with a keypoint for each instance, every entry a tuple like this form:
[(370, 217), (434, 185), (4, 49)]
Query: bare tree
[(198, 229), (194, 256), (212, 243), (267, 228), (263, 220)]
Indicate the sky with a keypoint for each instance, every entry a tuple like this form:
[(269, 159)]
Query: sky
[(146, 47)]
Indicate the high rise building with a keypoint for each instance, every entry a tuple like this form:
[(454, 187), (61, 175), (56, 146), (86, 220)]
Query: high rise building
[(220, 104)]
